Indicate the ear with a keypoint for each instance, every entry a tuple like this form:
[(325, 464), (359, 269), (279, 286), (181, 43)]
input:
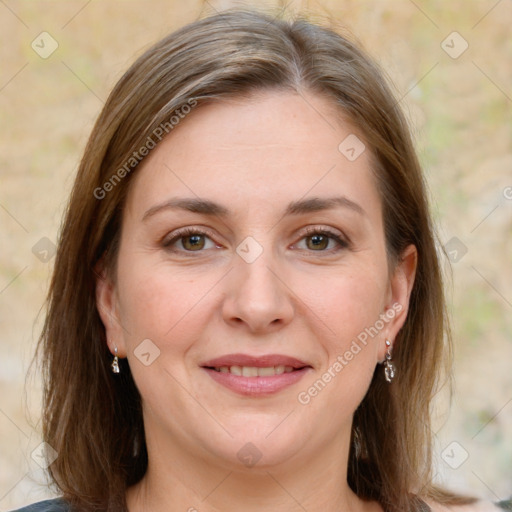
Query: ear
[(107, 304), (399, 292)]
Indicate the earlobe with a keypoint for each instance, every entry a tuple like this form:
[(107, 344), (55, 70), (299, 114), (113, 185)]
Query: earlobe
[(401, 285), (103, 293), (407, 269), (107, 307), (402, 281)]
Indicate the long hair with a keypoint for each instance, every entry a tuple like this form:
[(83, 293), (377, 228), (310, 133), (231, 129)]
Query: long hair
[(92, 418)]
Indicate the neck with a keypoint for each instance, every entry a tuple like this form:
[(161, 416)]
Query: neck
[(178, 480)]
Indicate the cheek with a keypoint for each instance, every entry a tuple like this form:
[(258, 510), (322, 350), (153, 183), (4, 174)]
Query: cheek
[(350, 303), (350, 309), (160, 303), (167, 308)]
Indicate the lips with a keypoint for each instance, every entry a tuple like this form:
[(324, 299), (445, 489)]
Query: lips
[(245, 360), (256, 376)]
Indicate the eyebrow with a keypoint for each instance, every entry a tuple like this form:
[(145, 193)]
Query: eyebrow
[(207, 207)]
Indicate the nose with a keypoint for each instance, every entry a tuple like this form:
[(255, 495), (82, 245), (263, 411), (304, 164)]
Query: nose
[(258, 296)]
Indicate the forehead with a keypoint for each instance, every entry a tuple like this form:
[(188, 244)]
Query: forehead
[(271, 148)]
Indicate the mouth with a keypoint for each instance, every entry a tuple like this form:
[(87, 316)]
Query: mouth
[(254, 371), (256, 376)]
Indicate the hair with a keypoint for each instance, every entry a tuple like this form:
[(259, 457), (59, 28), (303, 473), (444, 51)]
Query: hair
[(92, 418)]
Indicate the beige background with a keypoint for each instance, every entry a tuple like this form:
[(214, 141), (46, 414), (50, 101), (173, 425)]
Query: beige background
[(461, 113)]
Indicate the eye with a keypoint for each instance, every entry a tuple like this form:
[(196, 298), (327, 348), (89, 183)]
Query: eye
[(196, 240), (319, 240), (189, 240)]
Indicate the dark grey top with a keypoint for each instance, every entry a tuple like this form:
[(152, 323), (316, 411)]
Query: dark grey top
[(59, 505), (55, 505)]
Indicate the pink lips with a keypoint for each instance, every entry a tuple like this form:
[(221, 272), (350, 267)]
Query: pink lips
[(256, 386), (258, 362)]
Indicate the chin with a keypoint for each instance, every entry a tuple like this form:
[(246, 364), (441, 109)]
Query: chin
[(250, 450)]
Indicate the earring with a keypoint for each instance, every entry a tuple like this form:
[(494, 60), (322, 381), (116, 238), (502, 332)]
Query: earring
[(115, 362), (389, 367)]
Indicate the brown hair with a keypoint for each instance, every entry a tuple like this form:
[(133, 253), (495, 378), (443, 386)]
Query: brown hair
[(93, 418)]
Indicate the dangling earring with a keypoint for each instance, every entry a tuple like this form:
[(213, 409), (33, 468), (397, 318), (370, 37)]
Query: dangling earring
[(115, 362), (389, 367)]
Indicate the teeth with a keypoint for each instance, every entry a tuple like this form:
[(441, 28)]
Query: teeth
[(253, 371), (236, 370), (266, 372), (249, 371)]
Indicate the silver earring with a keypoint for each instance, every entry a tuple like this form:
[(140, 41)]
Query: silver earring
[(115, 362), (389, 367)]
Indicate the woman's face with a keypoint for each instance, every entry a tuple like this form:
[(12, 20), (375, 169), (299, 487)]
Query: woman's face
[(284, 265)]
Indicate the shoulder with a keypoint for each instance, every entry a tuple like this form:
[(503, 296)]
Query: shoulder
[(505, 505), (55, 505), (478, 506)]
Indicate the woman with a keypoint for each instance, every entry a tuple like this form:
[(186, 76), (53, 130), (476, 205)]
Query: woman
[(247, 309)]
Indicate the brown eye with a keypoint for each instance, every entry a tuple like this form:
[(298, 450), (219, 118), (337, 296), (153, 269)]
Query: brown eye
[(317, 242), (193, 242), (323, 240), (189, 240)]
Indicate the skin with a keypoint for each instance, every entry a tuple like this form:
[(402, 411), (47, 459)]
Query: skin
[(253, 156)]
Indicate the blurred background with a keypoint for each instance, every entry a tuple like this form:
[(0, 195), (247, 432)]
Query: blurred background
[(451, 63)]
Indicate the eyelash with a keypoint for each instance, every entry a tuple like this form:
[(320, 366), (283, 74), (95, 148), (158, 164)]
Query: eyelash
[(342, 242), (310, 231)]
